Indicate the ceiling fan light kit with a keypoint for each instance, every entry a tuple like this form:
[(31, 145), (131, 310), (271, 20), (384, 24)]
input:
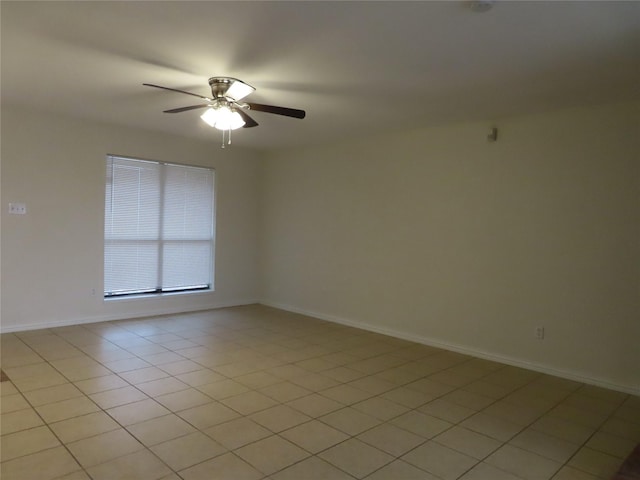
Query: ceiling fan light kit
[(225, 110)]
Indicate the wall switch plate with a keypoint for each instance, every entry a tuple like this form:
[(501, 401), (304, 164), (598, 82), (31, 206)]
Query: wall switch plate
[(18, 208), (539, 333)]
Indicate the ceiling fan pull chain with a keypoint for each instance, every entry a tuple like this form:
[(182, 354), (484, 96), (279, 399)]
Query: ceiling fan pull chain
[(222, 139), (229, 134)]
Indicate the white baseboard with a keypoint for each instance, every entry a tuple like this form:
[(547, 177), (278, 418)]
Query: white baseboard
[(464, 349), (112, 317)]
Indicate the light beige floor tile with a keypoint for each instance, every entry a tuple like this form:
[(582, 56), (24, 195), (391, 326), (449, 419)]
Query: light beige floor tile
[(44, 465), (111, 354), (314, 381), (468, 442), (287, 372), (236, 369), (73, 407), (563, 429), (545, 445), (101, 384), (162, 386), (592, 403), (183, 399), (346, 394), (208, 415), (393, 376), (180, 367), (343, 374), (8, 360), (314, 436), (400, 470), (407, 397), (249, 402), (487, 389), (284, 391), (312, 468), (83, 373), (189, 450), (199, 377), (424, 425), (522, 463), (271, 454), (380, 408), (118, 396), (493, 427), (356, 457), (143, 375), (52, 394), (315, 405), (350, 421), (84, 426), (237, 433), (224, 467), (628, 412), (8, 388), (430, 387), (513, 413), (27, 442), (162, 358), (257, 380), (13, 403), (391, 439), (474, 401), (453, 379), (104, 447), (126, 365), (34, 383), (484, 471), (28, 371), (142, 465), (219, 390), (597, 463), (373, 385), (611, 444), (622, 428), (570, 473), (137, 412), (446, 410), (440, 460), (80, 475), (160, 429), (279, 418), (577, 415), (21, 420)]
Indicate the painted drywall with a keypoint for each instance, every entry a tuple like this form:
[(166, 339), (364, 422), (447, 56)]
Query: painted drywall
[(440, 236), (52, 257)]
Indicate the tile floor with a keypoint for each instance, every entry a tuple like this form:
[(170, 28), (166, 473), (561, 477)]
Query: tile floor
[(257, 393)]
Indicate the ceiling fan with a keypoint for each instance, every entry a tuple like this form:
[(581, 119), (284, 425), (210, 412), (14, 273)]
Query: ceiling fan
[(225, 110)]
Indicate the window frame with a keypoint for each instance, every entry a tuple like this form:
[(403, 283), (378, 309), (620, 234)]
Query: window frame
[(160, 241)]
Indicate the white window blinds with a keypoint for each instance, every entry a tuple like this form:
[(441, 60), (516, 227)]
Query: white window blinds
[(159, 227)]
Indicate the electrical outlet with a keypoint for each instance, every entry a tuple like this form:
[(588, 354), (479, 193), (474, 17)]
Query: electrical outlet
[(539, 332), (18, 208)]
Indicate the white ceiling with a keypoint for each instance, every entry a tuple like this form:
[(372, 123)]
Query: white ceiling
[(357, 68)]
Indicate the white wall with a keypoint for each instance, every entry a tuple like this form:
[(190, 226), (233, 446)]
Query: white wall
[(440, 236), (52, 258)]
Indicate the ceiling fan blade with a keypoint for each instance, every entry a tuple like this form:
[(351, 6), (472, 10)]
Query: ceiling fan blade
[(184, 109), (248, 121), (287, 112), (176, 90)]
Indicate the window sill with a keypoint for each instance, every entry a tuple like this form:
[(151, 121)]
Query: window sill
[(149, 296)]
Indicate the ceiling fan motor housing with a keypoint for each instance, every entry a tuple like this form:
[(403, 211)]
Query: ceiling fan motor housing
[(220, 85)]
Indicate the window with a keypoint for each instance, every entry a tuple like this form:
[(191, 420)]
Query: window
[(158, 227)]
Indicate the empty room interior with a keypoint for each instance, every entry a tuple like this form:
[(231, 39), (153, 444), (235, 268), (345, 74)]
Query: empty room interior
[(402, 241)]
